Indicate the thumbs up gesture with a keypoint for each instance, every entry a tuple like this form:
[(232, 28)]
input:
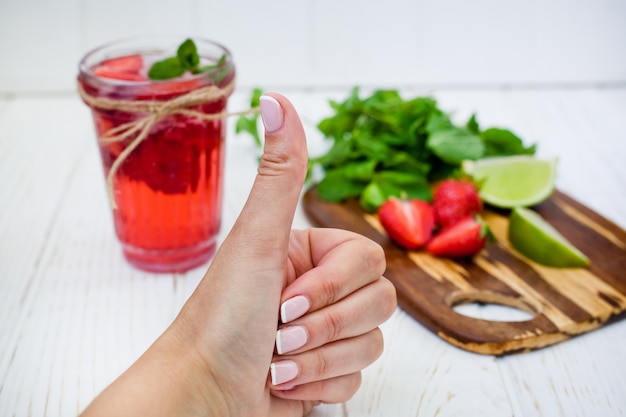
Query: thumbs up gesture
[(282, 320)]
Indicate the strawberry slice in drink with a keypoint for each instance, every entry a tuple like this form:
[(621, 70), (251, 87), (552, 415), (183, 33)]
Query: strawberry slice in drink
[(127, 68), (125, 76), (128, 64)]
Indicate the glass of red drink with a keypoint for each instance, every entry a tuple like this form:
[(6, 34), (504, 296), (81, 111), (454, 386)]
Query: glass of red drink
[(166, 187)]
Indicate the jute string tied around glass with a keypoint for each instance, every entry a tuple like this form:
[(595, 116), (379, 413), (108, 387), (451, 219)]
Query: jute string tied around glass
[(154, 111)]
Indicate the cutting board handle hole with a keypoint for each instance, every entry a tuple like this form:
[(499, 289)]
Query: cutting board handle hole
[(491, 306)]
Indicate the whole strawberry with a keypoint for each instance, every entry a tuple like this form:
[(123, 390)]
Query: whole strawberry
[(454, 200), (409, 223)]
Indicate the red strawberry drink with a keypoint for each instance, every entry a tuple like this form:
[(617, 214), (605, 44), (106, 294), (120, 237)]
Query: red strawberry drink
[(166, 188)]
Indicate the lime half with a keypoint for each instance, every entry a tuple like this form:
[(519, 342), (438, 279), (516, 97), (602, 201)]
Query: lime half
[(536, 239), (513, 181)]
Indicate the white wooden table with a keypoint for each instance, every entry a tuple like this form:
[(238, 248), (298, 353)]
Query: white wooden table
[(74, 314)]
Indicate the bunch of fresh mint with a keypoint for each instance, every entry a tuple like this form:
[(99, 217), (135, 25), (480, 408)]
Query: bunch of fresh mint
[(384, 146), (387, 146)]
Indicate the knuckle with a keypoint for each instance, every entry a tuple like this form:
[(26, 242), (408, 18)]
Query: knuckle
[(322, 366), (331, 290), (334, 326), (271, 164)]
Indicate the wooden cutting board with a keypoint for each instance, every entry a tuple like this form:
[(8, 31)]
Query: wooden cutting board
[(564, 302)]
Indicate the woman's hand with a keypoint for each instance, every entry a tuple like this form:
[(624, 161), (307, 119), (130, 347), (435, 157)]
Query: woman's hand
[(281, 321)]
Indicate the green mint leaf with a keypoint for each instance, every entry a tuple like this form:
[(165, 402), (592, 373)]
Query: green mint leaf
[(372, 197), (249, 123), (455, 145), (336, 187), (223, 67), (405, 162), (360, 170), (472, 125), (341, 152), (255, 98), (438, 121), (207, 68), (503, 142), (388, 184), (166, 69), (187, 54)]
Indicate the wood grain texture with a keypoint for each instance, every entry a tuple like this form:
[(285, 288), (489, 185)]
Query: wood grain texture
[(564, 302)]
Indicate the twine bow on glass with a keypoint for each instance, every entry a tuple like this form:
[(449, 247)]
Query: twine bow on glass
[(154, 111)]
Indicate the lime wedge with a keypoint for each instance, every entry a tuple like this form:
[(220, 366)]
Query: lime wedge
[(513, 181), (536, 239)]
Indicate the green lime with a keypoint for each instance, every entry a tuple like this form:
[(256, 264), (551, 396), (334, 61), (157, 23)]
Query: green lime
[(535, 238), (513, 181)]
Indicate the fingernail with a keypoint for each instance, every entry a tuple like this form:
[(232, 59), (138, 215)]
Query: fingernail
[(283, 371), (271, 113), (290, 338), (293, 308)]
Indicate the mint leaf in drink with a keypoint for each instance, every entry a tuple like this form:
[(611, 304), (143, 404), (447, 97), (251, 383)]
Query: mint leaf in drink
[(187, 55), (219, 63), (187, 59), (166, 69)]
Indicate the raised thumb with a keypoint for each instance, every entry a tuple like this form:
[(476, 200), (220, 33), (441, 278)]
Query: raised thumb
[(264, 225), (235, 308)]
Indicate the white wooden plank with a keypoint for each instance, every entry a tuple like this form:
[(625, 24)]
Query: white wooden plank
[(84, 287), (35, 160), (576, 378), (420, 374)]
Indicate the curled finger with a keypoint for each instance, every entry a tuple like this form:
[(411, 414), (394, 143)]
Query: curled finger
[(332, 360), (337, 263), (332, 390), (356, 314)]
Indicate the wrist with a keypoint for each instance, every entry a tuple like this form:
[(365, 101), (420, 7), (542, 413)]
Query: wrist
[(191, 373)]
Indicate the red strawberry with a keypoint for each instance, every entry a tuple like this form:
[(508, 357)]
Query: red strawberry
[(176, 86), (104, 72), (455, 199), (409, 223), (126, 68), (128, 64), (464, 238)]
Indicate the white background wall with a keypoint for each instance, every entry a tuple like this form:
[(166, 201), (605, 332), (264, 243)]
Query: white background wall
[(334, 43)]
